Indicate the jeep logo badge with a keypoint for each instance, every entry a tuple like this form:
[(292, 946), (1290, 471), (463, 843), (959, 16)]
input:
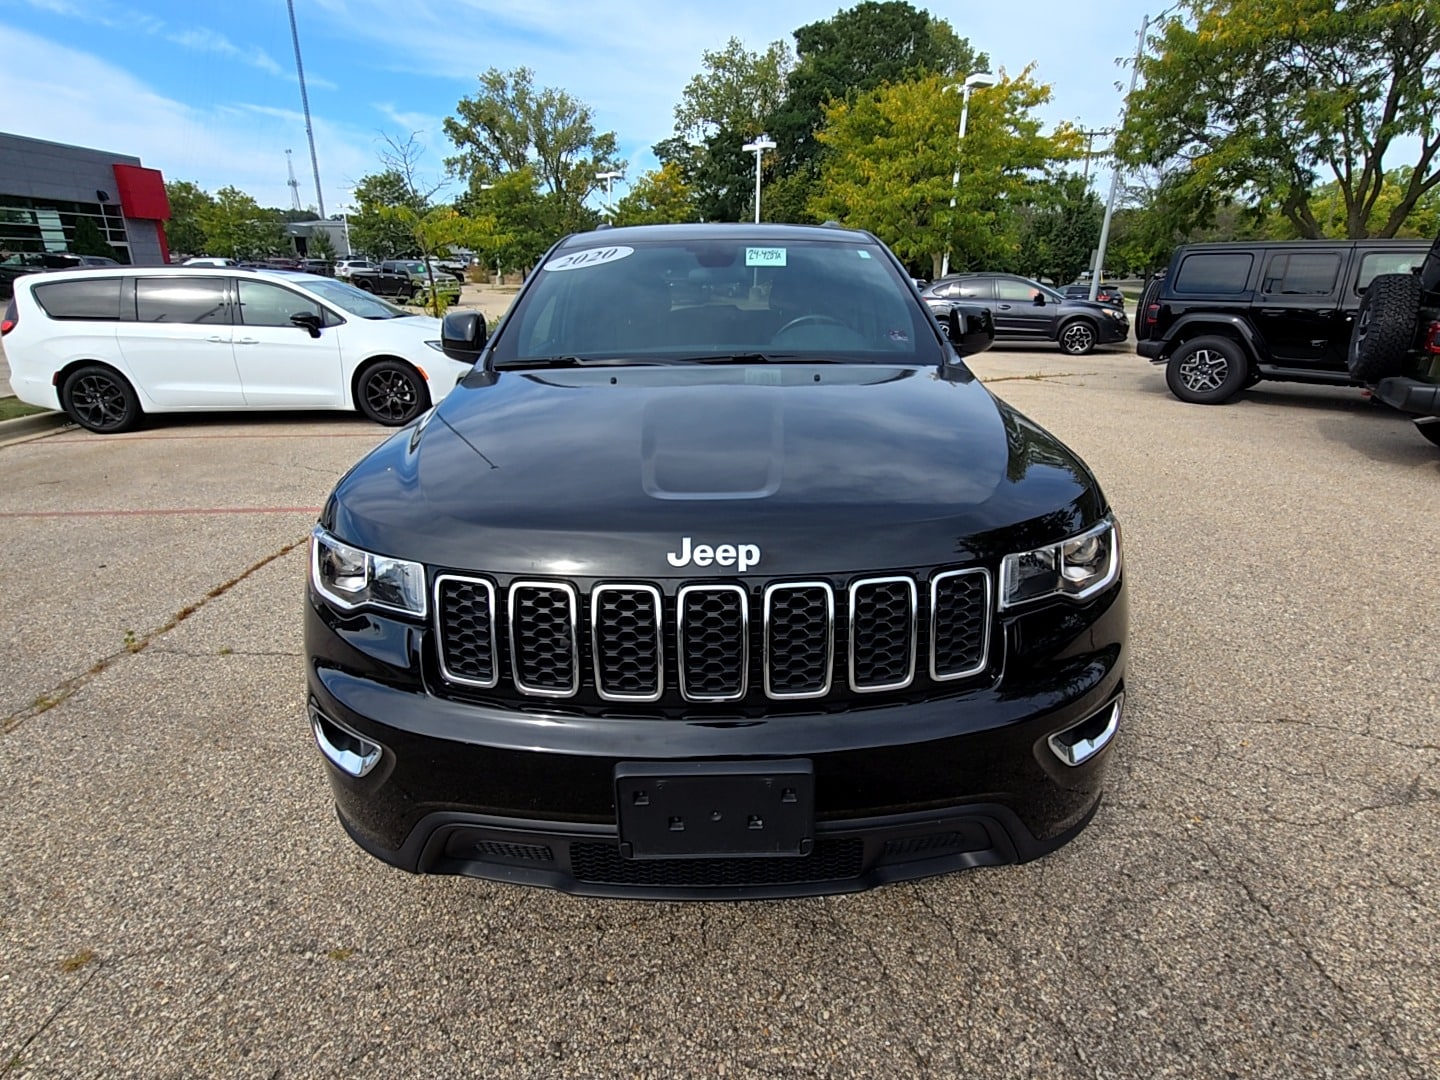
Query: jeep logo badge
[(740, 556)]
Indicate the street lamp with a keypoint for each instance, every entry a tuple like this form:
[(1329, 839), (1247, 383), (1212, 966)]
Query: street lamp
[(610, 178), (975, 81), (758, 148)]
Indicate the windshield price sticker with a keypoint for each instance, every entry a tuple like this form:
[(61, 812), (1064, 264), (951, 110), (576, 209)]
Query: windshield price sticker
[(579, 260), (764, 256)]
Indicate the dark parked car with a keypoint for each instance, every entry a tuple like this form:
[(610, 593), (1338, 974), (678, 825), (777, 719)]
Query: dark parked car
[(765, 596), (1105, 294), (1225, 316), (1025, 310), (16, 265)]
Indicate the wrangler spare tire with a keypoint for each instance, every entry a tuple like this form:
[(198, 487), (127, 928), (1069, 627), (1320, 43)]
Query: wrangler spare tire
[(1384, 328)]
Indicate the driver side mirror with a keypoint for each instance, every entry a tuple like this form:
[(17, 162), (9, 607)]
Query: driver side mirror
[(309, 320), (1039, 299), (971, 330), (463, 335)]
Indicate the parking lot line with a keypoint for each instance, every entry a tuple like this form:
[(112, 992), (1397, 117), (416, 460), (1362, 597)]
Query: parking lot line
[(163, 512)]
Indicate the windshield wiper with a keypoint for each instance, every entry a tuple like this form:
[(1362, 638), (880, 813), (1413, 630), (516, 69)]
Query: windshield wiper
[(575, 361), (756, 358)]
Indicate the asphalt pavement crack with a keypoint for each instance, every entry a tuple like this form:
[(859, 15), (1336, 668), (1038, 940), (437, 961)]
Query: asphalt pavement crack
[(58, 694), (15, 1059)]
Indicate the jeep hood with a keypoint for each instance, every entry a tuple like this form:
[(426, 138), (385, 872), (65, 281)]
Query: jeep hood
[(826, 468)]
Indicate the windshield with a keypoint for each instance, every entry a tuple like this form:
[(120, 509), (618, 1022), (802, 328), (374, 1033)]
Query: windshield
[(719, 299), (355, 301)]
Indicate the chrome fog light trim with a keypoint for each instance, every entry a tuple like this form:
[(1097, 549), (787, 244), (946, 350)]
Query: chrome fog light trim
[(350, 753), (1078, 744)]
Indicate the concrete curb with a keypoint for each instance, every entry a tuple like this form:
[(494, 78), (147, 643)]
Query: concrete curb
[(27, 427)]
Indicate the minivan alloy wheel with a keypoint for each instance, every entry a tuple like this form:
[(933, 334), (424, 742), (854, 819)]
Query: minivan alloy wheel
[(391, 393)]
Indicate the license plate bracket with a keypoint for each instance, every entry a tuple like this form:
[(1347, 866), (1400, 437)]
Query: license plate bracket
[(702, 810)]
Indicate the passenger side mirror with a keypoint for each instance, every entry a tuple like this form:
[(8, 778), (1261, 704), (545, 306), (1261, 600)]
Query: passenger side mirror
[(463, 335), (971, 330), (1039, 299), (309, 320)]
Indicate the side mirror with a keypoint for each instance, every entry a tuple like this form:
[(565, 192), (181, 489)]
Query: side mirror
[(309, 320), (971, 330), (1039, 299), (463, 335)]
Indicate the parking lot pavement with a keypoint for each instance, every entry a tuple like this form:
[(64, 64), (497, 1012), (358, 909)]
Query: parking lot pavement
[(1257, 896)]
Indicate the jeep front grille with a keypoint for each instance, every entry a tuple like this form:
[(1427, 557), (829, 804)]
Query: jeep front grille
[(712, 642)]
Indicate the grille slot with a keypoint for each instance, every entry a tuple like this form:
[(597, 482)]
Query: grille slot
[(625, 638), (832, 860), (465, 613), (544, 653), (882, 634), (799, 639), (713, 625), (959, 623)]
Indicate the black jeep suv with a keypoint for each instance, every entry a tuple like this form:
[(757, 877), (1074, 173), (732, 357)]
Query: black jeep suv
[(1225, 316), (747, 589)]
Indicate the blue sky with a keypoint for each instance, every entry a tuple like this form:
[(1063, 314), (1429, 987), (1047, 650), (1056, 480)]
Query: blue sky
[(205, 90)]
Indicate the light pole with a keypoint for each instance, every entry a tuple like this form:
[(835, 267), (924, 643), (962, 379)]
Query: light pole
[(972, 82), (1115, 169), (610, 178), (758, 148)]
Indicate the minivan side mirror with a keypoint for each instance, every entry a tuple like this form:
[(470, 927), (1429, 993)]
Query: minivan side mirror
[(309, 320), (463, 335)]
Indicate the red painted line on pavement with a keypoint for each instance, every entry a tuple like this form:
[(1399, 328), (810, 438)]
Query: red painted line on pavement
[(80, 436), (173, 512)]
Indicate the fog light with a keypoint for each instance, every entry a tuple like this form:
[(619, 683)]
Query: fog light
[(1077, 745), (348, 752)]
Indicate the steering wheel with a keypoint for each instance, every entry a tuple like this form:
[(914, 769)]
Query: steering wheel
[(809, 320)]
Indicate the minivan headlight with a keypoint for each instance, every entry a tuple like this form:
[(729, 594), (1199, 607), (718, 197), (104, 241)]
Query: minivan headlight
[(351, 578), (1077, 568)]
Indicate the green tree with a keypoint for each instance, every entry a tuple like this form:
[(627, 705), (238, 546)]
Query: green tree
[(235, 227), (1060, 229), (891, 153), (1268, 99), (184, 231), (659, 197), (516, 221), (735, 89), (509, 125), (320, 246), (371, 230)]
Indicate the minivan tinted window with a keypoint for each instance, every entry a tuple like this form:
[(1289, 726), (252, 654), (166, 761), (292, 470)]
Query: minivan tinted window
[(95, 298), (181, 300), (1214, 272)]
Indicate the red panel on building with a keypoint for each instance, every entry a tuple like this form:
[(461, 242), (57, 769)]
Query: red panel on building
[(142, 193)]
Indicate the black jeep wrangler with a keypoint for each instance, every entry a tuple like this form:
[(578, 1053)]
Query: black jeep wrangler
[(1225, 316)]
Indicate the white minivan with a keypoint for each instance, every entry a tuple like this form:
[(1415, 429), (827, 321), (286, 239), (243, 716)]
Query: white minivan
[(108, 346)]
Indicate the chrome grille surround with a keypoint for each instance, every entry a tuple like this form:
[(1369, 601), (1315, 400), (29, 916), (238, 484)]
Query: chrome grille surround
[(772, 647), (598, 647), (689, 594), (632, 640), (857, 590), (446, 635), (519, 591), (936, 584)]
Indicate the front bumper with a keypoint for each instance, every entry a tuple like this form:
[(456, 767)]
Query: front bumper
[(901, 790)]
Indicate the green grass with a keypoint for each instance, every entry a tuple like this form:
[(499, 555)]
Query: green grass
[(11, 407)]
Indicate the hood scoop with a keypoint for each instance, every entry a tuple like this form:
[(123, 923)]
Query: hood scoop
[(711, 446)]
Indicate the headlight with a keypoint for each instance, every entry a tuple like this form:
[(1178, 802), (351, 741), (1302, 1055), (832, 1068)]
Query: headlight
[(351, 578), (1117, 315), (1077, 568)]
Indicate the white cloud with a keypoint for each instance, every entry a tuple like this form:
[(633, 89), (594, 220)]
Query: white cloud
[(110, 109), (203, 40)]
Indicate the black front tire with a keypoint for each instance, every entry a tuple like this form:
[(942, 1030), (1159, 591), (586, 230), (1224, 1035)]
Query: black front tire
[(1429, 428), (391, 392), (1385, 326), (1207, 371), (1078, 337), (101, 400)]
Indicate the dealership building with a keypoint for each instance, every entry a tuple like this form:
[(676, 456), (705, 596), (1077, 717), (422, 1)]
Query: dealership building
[(47, 189)]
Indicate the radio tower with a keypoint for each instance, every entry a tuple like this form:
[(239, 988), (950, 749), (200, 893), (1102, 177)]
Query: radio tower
[(305, 104), (294, 184)]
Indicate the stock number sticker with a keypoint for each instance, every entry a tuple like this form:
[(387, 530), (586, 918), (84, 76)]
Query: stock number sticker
[(769, 256), (579, 260)]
